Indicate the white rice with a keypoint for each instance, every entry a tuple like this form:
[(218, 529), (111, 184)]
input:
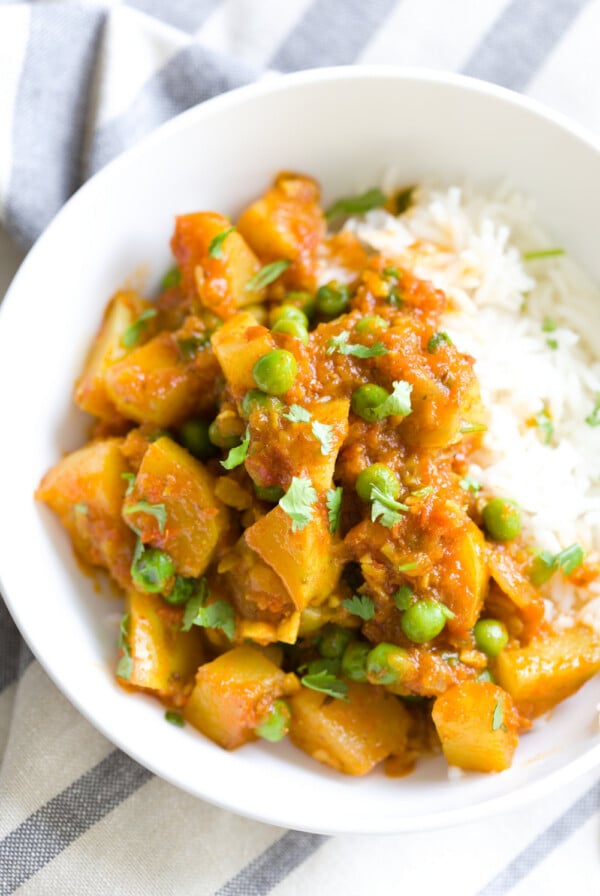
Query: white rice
[(470, 244)]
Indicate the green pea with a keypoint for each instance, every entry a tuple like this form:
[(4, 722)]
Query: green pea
[(194, 436), (386, 664), (354, 661), (377, 476), (275, 372), (181, 592), (270, 493), (491, 636), (366, 399), (303, 300), (332, 299), (371, 323), (502, 519), (255, 399), (289, 312), (218, 438), (152, 570), (423, 620), (276, 723), (292, 328), (333, 641)]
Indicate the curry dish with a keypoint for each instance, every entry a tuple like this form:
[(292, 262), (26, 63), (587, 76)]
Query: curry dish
[(276, 480)]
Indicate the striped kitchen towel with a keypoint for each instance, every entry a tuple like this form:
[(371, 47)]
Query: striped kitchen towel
[(80, 82)]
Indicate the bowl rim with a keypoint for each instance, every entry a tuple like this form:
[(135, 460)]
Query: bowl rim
[(530, 791)]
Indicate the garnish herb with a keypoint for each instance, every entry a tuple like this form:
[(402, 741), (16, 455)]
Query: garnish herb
[(326, 684), (215, 249), (469, 485), (552, 343), (408, 567), (391, 272), (549, 325), (125, 664), (130, 477), (498, 717), (544, 423), (356, 205), (467, 427), (546, 564), (422, 492), (340, 344), (218, 614), (134, 331), (323, 433), (360, 605), (171, 278), (296, 414), (398, 403), (593, 419), (403, 597), (404, 200), (81, 507), (384, 509), (188, 347), (436, 340), (268, 274), (238, 454), (175, 718), (158, 511), (298, 502), (542, 253), (334, 506)]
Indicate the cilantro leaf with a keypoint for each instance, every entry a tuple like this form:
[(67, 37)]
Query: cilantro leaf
[(360, 605), (593, 419), (218, 614), (268, 274), (549, 325), (436, 340), (498, 716), (544, 423), (398, 403), (296, 414), (467, 427), (158, 511), (133, 333), (403, 597), (542, 253), (552, 343), (238, 454), (422, 492), (569, 559), (125, 664), (323, 432), (81, 507), (298, 502), (545, 564), (334, 506), (469, 485), (171, 278), (385, 509), (130, 477), (404, 200), (215, 249), (356, 205), (340, 344), (188, 347), (408, 567), (326, 684), (175, 718)]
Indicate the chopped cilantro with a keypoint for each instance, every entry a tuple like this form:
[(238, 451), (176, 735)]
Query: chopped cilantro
[(593, 419), (542, 253), (334, 506), (296, 414), (469, 485), (498, 717), (215, 249), (384, 509), (340, 344), (218, 614), (323, 433), (408, 567), (398, 403), (356, 205), (81, 507), (158, 511), (422, 492), (552, 343), (125, 664), (172, 278), (403, 597), (544, 423), (238, 454), (391, 272), (467, 427), (298, 502), (133, 333), (360, 605), (326, 684), (404, 200), (175, 718), (549, 325), (546, 564), (188, 347), (130, 477), (268, 274), (436, 340)]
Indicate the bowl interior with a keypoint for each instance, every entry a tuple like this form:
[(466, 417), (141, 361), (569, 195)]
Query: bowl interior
[(347, 128)]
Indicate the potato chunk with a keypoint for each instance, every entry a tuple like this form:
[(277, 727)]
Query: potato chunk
[(350, 736), (478, 726), (549, 669), (90, 390), (219, 281), (233, 693), (165, 659), (238, 345), (86, 489), (195, 518)]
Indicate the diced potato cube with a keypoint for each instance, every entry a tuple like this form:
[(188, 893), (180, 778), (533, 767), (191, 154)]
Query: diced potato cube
[(462, 573), (287, 222), (165, 659), (515, 584), (157, 384), (478, 726), (549, 669), (238, 345), (308, 561), (233, 693), (90, 390), (86, 489), (219, 281), (350, 736), (195, 518)]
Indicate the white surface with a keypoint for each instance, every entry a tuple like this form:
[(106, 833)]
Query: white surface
[(220, 156)]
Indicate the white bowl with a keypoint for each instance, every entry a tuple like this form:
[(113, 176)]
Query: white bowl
[(346, 127)]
